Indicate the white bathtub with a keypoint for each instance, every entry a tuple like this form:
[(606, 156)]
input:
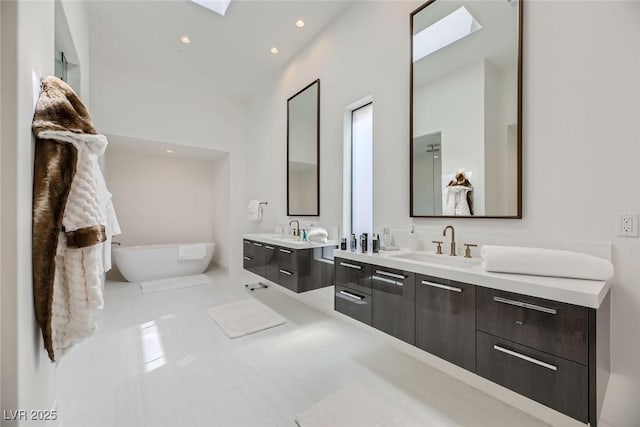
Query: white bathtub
[(151, 262)]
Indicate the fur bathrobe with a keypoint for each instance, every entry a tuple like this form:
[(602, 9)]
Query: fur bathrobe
[(69, 218)]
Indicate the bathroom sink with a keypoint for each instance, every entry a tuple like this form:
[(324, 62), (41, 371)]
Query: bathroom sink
[(285, 238), (432, 258)]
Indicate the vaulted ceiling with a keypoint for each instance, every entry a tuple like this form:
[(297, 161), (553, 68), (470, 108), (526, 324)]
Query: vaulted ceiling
[(230, 54)]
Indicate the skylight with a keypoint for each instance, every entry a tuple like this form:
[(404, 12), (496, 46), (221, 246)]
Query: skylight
[(453, 27), (218, 6)]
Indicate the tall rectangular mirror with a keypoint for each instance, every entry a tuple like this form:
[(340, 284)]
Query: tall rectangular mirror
[(466, 109), (303, 152)]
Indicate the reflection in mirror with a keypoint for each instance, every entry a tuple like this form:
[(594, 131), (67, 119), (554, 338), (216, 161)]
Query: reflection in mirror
[(303, 152), (466, 109)]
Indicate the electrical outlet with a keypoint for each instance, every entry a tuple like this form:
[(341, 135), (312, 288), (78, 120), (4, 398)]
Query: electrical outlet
[(627, 225)]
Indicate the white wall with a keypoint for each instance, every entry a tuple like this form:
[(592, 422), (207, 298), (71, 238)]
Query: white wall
[(28, 378), (222, 212), (180, 113), (347, 59), (581, 133), (161, 198)]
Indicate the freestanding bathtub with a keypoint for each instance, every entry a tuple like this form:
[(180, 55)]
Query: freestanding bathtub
[(151, 262)]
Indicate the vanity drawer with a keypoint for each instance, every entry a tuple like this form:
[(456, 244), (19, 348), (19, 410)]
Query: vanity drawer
[(354, 304), (271, 262), (550, 326), (288, 278), (552, 381), (393, 302), (287, 258), (353, 274), (446, 319), (248, 258)]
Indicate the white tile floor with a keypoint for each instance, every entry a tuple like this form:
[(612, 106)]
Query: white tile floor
[(159, 360)]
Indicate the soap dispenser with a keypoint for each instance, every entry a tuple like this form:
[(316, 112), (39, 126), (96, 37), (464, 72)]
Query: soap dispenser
[(413, 240)]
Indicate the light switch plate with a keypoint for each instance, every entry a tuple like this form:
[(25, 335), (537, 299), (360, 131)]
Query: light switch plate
[(627, 225)]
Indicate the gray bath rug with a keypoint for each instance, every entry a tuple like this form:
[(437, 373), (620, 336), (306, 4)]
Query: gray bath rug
[(174, 283), (244, 317)]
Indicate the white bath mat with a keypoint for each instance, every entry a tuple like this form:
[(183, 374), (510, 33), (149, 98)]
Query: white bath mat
[(174, 283), (244, 317), (355, 406)]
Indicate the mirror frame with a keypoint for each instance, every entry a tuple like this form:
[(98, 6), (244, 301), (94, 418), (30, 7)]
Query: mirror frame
[(518, 214), (317, 213)]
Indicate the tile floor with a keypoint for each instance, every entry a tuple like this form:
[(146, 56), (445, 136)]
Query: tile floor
[(159, 360)]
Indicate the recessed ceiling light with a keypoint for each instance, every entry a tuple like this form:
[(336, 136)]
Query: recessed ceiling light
[(299, 23), (185, 39), (169, 151), (274, 50)]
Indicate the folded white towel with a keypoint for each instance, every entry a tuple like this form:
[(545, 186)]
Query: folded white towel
[(191, 252), (545, 262), (253, 210), (318, 235)]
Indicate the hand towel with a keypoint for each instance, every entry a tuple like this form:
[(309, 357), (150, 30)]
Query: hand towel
[(191, 252), (318, 235), (545, 262), (253, 210)]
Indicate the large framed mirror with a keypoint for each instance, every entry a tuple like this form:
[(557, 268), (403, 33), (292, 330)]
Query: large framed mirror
[(303, 152), (466, 109)]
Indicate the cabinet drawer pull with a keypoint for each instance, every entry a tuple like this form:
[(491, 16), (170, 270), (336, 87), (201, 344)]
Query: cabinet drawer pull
[(525, 305), (346, 264), (268, 247), (382, 279), (288, 273), (524, 357), (394, 275), (286, 251), (438, 285), (350, 295), (246, 242), (257, 244), (248, 258)]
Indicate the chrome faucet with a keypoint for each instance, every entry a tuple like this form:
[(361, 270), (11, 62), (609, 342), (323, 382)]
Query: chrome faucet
[(296, 231), (453, 238)]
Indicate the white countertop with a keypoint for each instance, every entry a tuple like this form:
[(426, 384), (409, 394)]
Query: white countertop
[(587, 293), (287, 241)]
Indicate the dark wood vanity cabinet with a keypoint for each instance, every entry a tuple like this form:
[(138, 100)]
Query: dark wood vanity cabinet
[(446, 320), (393, 309), (248, 258), (353, 275), (298, 270), (552, 352), (353, 289), (551, 380), (292, 268), (354, 304), (270, 262), (550, 326), (258, 259)]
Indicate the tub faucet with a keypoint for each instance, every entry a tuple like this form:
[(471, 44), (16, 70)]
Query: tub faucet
[(296, 231), (453, 238)]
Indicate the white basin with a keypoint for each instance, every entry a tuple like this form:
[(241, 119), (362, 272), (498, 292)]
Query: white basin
[(284, 238), (444, 259)]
